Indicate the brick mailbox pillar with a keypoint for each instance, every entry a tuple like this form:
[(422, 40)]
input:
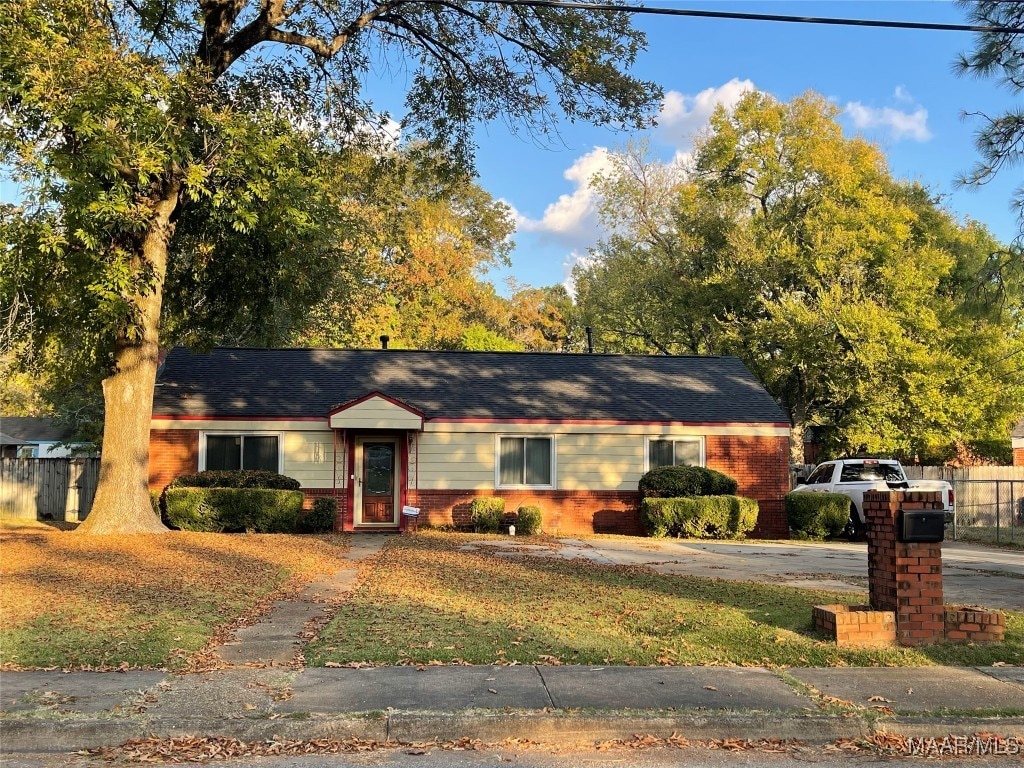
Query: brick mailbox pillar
[(904, 577)]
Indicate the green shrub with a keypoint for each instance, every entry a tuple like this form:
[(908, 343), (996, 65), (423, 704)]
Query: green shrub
[(219, 510), (528, 520), (154, 499), (817, 515), (235, 478), (677, 482), (321, 518), (699, 517), (486, 513)]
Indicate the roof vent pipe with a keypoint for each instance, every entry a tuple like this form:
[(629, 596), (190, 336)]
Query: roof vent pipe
[(590, 340), (384, 341)]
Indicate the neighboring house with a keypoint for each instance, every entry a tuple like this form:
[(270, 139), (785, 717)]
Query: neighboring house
[(1017, 443), (379, 429), (38, 437)]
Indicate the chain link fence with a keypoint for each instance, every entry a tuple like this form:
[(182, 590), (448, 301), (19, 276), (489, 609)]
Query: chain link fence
[(989, 511)]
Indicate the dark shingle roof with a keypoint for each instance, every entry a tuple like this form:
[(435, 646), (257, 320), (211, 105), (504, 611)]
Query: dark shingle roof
[(300, 383), (35, 428)]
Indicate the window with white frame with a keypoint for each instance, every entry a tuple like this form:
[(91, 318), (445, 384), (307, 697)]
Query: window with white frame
[(675, 451), (526, 461), (242, 451)]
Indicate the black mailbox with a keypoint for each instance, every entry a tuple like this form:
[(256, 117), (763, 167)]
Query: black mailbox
[(922, 525)]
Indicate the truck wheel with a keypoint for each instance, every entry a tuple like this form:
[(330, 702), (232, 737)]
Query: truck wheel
[(855, 529)]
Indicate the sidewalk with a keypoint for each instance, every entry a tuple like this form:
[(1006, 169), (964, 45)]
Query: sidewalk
[(264, 692), (52, 711)]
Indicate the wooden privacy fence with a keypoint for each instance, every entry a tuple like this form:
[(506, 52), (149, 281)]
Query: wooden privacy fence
[(47, 489)]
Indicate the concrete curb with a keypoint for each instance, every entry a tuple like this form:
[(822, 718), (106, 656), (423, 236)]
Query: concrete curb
[(34, 735)]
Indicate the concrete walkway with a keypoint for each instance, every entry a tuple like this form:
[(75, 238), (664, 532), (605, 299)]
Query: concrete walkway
[(278, 638)]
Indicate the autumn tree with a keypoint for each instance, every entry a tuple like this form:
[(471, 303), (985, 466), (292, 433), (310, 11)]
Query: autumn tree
[(126, 122), (860, 304)]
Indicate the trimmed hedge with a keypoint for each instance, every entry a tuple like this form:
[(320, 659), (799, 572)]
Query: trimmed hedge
[(486, 513), (817, 515), (528, 520), (220, 510), (235, 478), (321, 518), (676, 482), (699, 517)]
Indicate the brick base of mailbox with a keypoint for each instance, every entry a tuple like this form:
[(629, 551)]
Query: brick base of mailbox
[(905, 586), (974, 625), (904, 577), (853, 626)]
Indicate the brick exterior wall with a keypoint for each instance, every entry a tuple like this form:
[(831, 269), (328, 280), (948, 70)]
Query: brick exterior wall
[(760, 466), (904, 577), (172, 452), (565, 512), (973, 625), (1018, 457)]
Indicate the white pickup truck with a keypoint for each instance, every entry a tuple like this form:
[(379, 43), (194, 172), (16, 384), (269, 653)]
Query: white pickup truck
[(851, 477)]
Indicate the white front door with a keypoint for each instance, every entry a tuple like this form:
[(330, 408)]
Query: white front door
[(377, 489)]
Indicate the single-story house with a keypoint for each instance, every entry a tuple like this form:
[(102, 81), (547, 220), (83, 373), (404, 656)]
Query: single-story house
[(381, 429), (38, 437)]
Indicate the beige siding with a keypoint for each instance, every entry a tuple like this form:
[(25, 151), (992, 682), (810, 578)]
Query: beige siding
[(376, 413), (588, 462), (456, 460), (309, 458)]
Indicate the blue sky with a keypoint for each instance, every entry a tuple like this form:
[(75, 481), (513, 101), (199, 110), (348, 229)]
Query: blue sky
[(894, 87)]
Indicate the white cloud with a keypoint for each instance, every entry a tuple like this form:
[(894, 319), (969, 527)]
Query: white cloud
[(902, 94), (898, 124), (682, 117), (572, 218)]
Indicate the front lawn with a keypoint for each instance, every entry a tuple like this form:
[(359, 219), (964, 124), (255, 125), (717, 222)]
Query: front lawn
[(68, 600), (428, 601)]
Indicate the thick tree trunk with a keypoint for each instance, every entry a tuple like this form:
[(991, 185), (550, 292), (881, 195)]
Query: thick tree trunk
[(122, 503)]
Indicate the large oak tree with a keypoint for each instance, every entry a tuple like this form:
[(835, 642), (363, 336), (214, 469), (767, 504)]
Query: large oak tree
[(130, 124)]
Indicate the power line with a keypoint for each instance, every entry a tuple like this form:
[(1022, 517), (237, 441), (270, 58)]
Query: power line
[(645, 10)]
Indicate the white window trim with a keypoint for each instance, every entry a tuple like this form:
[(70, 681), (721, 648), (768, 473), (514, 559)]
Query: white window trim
[(497, 463), (243, 433), (675, 439)]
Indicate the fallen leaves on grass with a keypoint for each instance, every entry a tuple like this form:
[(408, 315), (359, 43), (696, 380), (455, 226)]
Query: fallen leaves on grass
[(647, 741), (74, 601)]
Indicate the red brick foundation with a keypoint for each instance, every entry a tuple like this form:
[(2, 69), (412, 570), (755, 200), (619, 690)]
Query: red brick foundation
[(904, 577), (563, 512), (853, 626)]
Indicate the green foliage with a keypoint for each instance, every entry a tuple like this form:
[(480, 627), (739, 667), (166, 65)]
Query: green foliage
[(817, 515), (528, 520), (235, 478), (699, 517), (320, 519), (220, 510), (486, 512), (855, 298), (673, 482)]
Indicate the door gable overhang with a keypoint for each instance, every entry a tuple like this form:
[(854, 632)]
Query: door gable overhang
[(375, 411)]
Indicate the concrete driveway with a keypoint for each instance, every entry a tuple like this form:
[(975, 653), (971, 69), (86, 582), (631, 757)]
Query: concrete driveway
[(972, 574)]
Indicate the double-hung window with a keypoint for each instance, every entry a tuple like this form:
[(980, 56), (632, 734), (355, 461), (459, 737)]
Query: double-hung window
[(677, 451), (526, 461), (242, 451)]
